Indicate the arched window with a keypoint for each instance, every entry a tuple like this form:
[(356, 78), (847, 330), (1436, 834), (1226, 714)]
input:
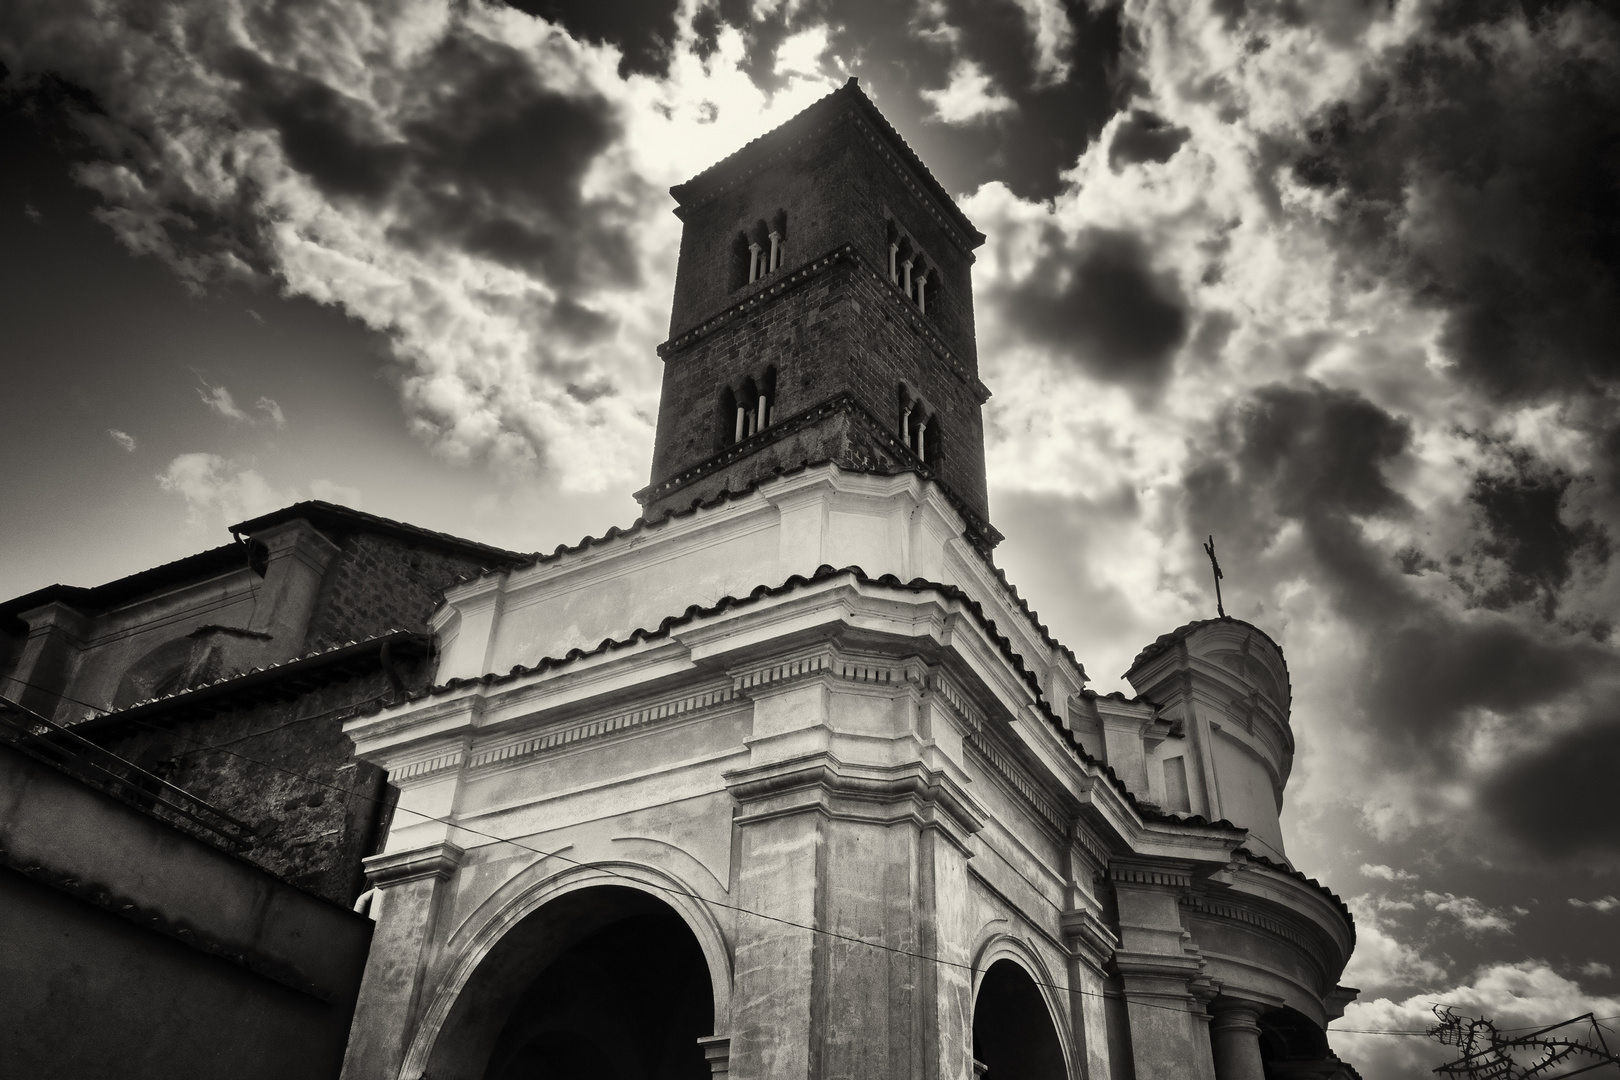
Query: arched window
[(726, 412), (741, 260), (750, 408), (758, 251), (919, 426), (911, 270)]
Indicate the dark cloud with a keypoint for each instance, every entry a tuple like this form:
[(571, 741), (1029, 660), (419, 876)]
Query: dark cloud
[(1027, 147), (1526, 533), (1559, 798), (1429, 669), (1321, 451), (642, 30), (1319, 458), (324, 133), (499, 160), (1144, 137), (1100, 302), (1484, 171)]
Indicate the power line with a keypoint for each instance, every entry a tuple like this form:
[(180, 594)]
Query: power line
[(647, 884)]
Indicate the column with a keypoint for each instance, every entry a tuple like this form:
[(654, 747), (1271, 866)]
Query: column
[(1235, 1039)]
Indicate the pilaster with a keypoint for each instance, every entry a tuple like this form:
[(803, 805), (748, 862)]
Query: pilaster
[(860, 868), (56, 634), (411, 889), (1162, 973), (285, 600)]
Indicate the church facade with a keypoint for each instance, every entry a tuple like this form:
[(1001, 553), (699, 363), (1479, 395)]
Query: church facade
[(786, 780)]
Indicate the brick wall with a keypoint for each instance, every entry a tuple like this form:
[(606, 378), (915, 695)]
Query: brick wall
[(844, 329), (287, 769), (381, 583), (824, 327)]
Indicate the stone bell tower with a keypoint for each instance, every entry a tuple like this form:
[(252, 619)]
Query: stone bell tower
[(823, 313)]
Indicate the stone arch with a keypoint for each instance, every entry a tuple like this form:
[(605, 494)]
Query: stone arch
[(1019, 1030), (523, 929)]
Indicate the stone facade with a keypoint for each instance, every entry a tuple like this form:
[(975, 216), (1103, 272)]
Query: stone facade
[(797, 727)]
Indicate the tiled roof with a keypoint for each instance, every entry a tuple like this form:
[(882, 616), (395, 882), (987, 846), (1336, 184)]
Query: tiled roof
[(99, 597), (848, 95), (312, 669), (1165, 641), (1289, 871), (641, 524), (234, 556), (826, 573), (344, 519)]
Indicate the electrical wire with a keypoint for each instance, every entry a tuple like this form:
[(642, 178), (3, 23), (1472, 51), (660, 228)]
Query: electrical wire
[(672, 890)]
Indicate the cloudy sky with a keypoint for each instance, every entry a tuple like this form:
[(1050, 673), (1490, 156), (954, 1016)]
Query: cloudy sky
[(1335, 280)]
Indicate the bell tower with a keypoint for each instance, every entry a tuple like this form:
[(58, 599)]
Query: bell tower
[(823, 313)]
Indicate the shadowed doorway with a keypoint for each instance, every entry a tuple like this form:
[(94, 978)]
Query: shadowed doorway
[(1013, 1036), (605, 983)]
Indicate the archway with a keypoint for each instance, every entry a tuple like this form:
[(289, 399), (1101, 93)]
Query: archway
[(1013, 1034), (606, 982), (1289, 1036)]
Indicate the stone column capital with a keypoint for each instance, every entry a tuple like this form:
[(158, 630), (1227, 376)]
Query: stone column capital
[(717, 1052), (434, 861)]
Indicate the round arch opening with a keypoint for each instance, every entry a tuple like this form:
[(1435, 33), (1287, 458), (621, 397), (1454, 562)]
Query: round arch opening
[(1013, 1034), (607, 982)]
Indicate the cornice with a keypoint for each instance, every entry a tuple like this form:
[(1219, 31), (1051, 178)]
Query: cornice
[(438, 861), (980, 533)]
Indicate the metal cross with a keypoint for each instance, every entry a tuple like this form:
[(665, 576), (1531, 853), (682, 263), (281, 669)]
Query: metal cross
[(1209, 549)]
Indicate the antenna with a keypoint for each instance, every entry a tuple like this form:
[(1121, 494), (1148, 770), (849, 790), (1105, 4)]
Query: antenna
[(1209, 549)]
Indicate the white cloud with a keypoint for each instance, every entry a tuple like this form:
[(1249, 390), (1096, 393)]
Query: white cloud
[(970, 96), (1382, 961), (1525, 994), (1386, 873), (1472, 914), (219, 401), (124, 439), (489, 372), (218, 490), (1596, 969), (271, 410), (1605, 904)]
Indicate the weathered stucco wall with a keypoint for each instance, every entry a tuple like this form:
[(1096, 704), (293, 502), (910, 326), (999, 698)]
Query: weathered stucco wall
[(130, 949)]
